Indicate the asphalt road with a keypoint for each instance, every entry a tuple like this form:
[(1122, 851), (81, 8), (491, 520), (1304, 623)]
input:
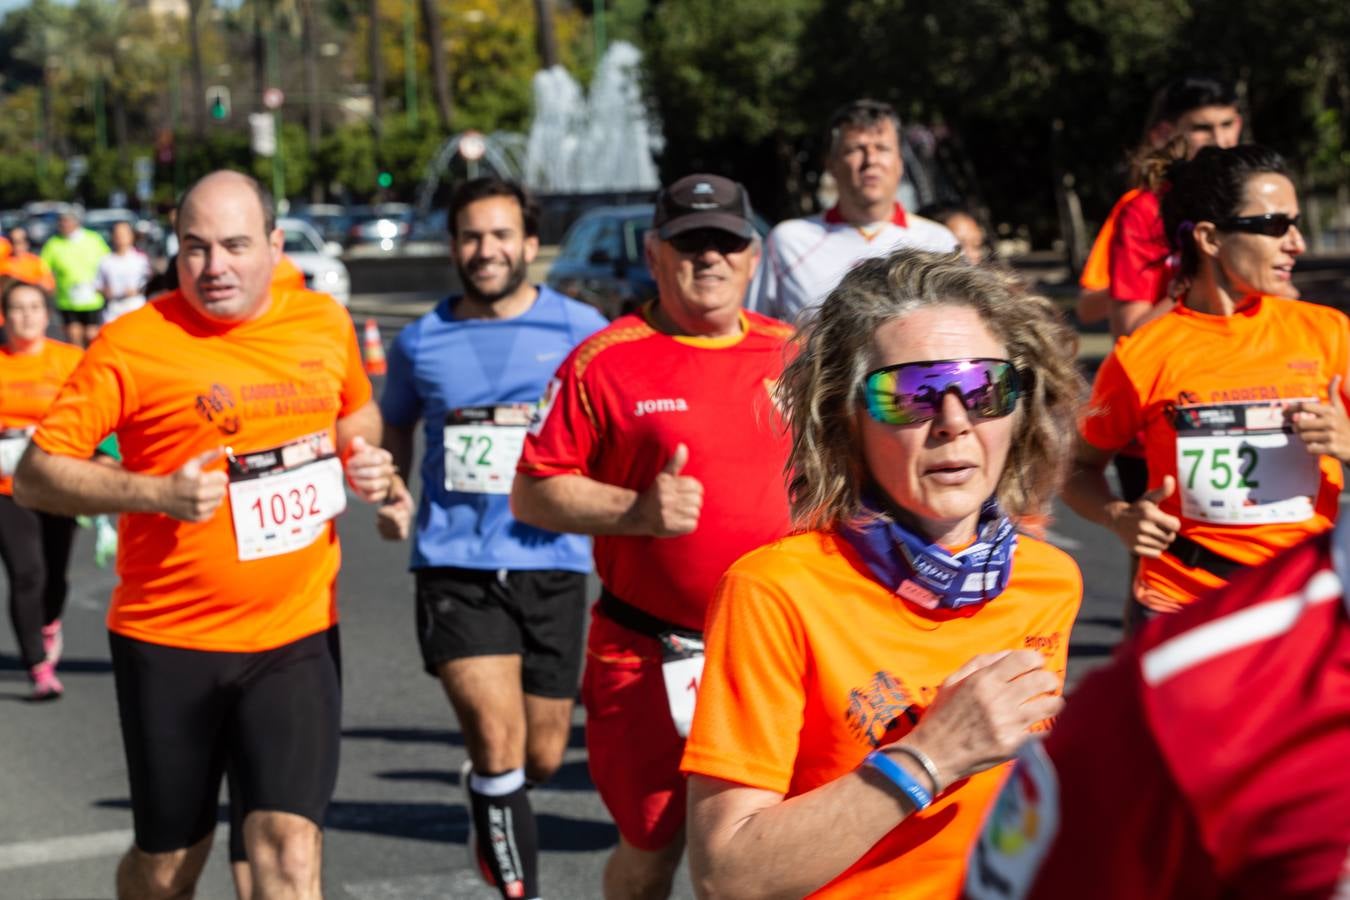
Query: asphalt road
[(397, 825)]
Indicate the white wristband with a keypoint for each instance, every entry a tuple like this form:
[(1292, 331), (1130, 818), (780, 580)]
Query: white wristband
[(924, 762)]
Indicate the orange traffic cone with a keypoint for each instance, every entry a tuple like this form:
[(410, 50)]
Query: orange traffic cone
[(373, 346)]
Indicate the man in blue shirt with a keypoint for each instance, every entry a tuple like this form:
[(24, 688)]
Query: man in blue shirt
[(500, 604)]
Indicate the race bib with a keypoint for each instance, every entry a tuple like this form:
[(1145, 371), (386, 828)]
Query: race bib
[(682, 668), (482, 447), (13, 441), (1241, 464), (282, 498), (1018, 831)]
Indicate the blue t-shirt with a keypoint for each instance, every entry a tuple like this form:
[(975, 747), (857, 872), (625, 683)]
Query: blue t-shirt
[(440, 365)]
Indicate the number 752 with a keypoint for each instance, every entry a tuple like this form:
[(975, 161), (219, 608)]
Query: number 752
[(1220, 468)]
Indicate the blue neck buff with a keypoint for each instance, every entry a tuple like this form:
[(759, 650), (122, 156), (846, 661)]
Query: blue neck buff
[(926, 574)]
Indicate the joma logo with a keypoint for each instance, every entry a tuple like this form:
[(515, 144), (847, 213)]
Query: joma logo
[(647, 407)]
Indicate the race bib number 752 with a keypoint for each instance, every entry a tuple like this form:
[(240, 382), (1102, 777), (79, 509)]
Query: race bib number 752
[(1241, 464)]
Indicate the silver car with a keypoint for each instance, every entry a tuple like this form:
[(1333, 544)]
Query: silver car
[(319, 261)]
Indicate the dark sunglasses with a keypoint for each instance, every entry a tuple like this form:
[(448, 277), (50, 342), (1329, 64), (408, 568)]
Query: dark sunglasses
[(724, 242), (1269, 224), (911, 393)]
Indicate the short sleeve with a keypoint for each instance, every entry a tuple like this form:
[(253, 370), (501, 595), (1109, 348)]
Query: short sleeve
[(752, 697), (95, 400), (400, 403), (1113, 417), (1139, 269), (565, 431), (356, 389)]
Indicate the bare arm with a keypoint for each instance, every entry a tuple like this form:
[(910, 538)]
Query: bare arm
[(573, 504), (1093, 307), (1126, 316), (398, 440), (1141, 526), (65, 485), (740, 836), (578, 504), (364, 422), (394, 518)]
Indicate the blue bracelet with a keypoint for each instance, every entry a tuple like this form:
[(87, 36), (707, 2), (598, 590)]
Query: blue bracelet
[(896, 773)]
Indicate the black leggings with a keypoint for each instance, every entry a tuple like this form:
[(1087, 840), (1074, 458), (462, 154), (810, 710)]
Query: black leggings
[(35, 548)]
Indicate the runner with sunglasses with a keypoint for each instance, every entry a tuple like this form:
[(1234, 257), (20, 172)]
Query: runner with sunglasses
[(659, 435), (1238, 391), (868, 677)]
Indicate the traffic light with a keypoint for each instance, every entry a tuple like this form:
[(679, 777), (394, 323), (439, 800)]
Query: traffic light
[(218, 102), (385, 180)]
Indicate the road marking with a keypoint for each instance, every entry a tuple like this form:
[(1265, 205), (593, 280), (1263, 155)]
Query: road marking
[(23, 854)]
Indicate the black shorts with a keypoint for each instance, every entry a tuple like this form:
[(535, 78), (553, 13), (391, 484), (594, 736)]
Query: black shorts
[(1133, 474), (81, 316), (272, 717), (536, 615)]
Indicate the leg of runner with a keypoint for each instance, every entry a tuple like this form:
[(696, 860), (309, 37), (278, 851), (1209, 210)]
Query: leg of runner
[(486, 694), (162, 876), (548, 725), (633, 874), (21, 551), (284, 854), (58, 535)]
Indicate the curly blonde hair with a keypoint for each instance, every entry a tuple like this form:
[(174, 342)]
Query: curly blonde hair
[(822, 388)]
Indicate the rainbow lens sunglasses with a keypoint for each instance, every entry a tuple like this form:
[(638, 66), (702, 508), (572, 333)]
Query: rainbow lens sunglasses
[(911, 393)]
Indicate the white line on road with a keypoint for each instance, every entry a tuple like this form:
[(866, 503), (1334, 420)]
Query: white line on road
[(22, 854)]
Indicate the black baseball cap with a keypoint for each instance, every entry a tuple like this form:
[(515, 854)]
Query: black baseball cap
[(703, 201)]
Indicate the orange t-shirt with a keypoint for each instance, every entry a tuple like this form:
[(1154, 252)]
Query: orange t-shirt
[(811, 664), (1096, 274), (29, 268), (173, 386), (287, 275), (29, 383), (1192, 383)]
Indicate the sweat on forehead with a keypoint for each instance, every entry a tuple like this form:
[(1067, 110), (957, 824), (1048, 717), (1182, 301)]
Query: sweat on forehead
[(226, 179)]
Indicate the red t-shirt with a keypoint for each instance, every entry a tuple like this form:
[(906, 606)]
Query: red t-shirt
[(1141, 267), (1207, 761), (624, 400)]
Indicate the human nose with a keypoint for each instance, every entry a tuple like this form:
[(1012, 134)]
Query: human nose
[(952, 419), (1295, 245)]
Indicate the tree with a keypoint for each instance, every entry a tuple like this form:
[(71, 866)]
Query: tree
[(376, 63), (440, 73), (198, 67), (548, 43)]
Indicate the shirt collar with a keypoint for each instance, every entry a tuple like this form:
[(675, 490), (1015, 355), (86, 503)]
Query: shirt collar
[(834, 217)]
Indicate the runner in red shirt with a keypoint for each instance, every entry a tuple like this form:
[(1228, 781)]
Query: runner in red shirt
[(1208, 760), (659, 435)]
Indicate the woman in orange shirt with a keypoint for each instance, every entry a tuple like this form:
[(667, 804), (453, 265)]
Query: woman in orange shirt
[(867, 678), (34, 546), (1238, 391)]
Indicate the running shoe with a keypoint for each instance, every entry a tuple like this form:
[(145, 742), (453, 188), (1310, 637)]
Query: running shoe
[(52, 642), (476, 860), (46, 686)]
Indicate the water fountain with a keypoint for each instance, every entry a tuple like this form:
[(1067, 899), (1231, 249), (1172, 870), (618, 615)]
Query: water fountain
[(577, 144)]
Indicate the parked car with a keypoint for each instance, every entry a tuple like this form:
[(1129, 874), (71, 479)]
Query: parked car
[(386, 225), (316, 259), (601, 259), (329, 219), (41, 219)]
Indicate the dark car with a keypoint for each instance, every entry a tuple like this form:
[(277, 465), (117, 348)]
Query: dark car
[(385, 225), (601, 260)]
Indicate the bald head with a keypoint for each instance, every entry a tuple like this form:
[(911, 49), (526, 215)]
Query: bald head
[(228, 246), (230, 181)]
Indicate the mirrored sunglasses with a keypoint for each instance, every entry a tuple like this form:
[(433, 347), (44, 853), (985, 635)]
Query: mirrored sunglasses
[(911, 393)]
